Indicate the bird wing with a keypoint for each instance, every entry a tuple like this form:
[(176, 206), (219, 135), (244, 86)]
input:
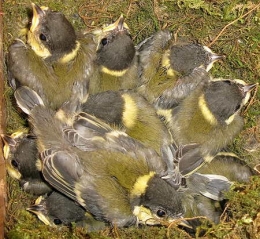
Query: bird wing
[(150, 51), (88, 181), (89, 133), (27, 99), (210, 185), (181, 160), (172, 96), (62, 170)]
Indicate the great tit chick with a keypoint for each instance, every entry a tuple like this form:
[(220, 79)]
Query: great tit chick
[(116, 59), (163, 62), (57, 209), (53, 60), (47, 33), (208, 117), (183, 57), (22, 158), (231, 166), (202, 193), (226, 164), (114, 177), (172, 96), (196, 205), (131, 113)]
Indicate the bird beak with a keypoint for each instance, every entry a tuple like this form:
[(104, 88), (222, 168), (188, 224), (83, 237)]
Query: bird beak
[(246, 91), (38, 12), (215, 57), (9, 144), (39, 210), (181, 222), (249, 88), (118, 25), (8, 140), (144, 216), (36, 208)]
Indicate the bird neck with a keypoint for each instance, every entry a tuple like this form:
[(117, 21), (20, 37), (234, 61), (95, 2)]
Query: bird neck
[(130, 112), (71, 55), (116, 73), (209, 117), (141, 184)]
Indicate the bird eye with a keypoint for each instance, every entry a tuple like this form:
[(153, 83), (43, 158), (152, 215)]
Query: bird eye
[(43, 37), (57, 221), (104, 41), (161, 213), (14, 163)]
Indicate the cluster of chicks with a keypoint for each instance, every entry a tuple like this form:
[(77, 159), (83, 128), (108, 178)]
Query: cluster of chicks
[(122, 134)]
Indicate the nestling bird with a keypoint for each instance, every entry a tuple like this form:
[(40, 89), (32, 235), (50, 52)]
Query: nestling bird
[(198, 206), (183, 57), (53, 60), (114, 177), (57, 209), (116, 59), (164, 62), (22, 158), (208, 117), (116, 69), (231, 166), (103, 169), (226, 164), (130, 112)]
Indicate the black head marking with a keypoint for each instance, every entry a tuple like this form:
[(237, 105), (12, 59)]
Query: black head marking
[(116, 51), (224, 98)]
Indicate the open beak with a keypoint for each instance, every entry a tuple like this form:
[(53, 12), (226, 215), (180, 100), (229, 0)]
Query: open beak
[(249, 88), (38, 12), (119, 25)]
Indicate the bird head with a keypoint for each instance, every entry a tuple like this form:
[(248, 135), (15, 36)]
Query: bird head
[(20, 152), (223, 99), (57, 209), (155, 201), (115, 50), (51, 35)]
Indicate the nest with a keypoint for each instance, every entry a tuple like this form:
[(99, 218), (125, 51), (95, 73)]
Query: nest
[(230, 28)]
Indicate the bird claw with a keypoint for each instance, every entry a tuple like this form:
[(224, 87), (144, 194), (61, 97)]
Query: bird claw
[(177, 159), (174, 178)]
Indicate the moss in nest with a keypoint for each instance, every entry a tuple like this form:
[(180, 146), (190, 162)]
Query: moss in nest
[(244, 199)]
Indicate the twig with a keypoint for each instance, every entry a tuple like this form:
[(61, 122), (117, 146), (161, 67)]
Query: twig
[(134, 37), (129, 8), (229, 24)]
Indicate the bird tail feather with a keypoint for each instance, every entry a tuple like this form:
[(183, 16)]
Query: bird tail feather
[(27, 99)]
